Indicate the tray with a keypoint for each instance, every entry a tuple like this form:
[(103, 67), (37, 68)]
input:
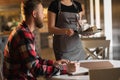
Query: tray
[(90, 32)]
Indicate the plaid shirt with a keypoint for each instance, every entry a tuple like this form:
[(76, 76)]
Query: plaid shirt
[(21, 62)]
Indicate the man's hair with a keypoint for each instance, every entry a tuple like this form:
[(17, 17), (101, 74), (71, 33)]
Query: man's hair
[(29, 6)]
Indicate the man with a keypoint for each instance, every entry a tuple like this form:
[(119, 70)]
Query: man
[(20, 59)]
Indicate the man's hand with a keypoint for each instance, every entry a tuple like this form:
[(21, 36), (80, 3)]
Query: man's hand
[(71, 67), (61, 62)]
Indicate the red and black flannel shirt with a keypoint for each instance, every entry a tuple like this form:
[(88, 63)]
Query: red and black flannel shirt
[(20, 52)]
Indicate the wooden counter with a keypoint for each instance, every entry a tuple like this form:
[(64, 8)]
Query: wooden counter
[(94, 38)]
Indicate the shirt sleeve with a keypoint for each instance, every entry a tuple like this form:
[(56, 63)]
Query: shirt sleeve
[(43, 67), (79, 6), (53, 7), (46, 68), (35, 65)]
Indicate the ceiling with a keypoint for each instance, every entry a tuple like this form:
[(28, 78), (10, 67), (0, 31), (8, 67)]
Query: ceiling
[(4, 3), (9, 2), (10, 7), (17, 2)]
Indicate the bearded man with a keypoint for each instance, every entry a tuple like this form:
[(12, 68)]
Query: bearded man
[(21, 61)]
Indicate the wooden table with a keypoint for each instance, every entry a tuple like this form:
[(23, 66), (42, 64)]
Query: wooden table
[(115, 63), (66, 77), (93, 38)]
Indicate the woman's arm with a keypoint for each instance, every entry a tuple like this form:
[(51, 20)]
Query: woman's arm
[(55, 30), (80, 19)]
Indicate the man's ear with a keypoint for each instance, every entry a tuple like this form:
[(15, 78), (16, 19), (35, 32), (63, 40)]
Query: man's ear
[(34, 14)]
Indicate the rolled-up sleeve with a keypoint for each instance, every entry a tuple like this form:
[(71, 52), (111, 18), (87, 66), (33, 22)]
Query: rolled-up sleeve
[(35, 65)]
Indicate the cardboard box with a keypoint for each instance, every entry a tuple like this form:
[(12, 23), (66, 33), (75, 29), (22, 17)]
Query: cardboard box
[(102, 70), (105, 74), (97, 64)]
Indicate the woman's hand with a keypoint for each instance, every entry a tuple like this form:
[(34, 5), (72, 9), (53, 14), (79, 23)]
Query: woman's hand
[(69, 32)]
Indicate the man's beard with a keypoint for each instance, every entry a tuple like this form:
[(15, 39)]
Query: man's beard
[(38, 22)]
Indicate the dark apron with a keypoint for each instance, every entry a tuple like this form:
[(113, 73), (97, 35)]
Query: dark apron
[(66, 47)]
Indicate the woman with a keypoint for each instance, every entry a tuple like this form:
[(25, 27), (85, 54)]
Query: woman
[(63, 19)]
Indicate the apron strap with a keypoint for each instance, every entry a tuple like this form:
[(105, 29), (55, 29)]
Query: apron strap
[(75, 6), (59, 6)]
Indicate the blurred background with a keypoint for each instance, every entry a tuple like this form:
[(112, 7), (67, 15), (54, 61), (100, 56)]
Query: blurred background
[(11, 16)]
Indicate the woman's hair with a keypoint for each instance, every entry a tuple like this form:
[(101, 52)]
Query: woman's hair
[(29, 6)]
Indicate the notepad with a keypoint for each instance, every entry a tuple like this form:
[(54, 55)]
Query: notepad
[(80, 71)]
